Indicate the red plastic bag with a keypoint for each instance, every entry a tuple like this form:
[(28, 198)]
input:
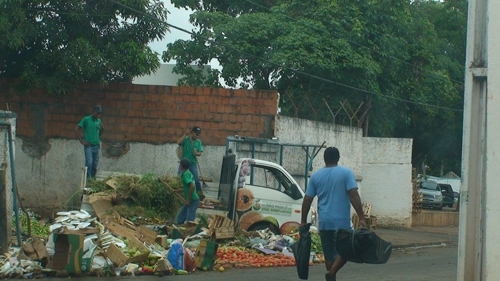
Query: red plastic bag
[(189, 263)]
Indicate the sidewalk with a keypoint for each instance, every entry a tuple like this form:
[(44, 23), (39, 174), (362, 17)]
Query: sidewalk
[(419, 236)]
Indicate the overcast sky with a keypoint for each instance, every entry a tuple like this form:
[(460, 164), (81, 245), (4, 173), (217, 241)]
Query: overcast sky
[(177, 17), (180, 18)]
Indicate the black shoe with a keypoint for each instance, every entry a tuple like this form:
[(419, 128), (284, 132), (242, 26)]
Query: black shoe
[(329, 277)]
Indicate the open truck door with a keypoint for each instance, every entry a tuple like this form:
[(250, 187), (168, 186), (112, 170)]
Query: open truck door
[(227, 192)]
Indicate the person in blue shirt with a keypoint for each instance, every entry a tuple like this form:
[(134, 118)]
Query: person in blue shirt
[(336, 189)]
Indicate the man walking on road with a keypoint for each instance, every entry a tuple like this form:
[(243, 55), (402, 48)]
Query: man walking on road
[(336, 189), (192, 149), (92, 130)]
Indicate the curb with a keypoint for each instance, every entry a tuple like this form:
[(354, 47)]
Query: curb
[(425, 244)]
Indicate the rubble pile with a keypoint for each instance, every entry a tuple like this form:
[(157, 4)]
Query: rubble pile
[(95, 242)]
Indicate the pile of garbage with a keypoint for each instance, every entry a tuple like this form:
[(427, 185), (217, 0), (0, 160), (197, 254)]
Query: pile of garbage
[(94, 242), (114, 246)]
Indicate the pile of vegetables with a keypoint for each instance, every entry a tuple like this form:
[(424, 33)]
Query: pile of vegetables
[(239, 257), (316, 243)]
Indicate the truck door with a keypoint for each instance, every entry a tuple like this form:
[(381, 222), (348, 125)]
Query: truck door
[(227, 194)]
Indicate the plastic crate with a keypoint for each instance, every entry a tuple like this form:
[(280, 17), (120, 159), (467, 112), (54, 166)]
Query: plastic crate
[(206, 254)]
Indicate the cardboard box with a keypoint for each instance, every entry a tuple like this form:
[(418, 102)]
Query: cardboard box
[(87, 230), (146, 235), (206, 254), (87, 259), (120, 230), (119, 258), (162, 240), (68, 253), (101, 202), (163, 265), (35, 249), (115, 217), (142, 233)]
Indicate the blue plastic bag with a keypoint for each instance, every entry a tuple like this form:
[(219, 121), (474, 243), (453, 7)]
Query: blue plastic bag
[(176, 255)]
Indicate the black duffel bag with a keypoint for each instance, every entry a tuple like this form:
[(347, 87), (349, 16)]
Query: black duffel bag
[(302, 251), (362, 246)]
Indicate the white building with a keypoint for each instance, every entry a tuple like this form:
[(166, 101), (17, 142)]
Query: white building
[(165, 76)]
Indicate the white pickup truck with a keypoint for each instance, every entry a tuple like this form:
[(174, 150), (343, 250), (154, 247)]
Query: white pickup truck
[(257, 194)]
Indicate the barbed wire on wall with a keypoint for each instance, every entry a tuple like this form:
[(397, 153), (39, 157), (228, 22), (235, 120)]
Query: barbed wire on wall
[(344, 113)]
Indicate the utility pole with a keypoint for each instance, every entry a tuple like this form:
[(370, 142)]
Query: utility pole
[(478, 250)]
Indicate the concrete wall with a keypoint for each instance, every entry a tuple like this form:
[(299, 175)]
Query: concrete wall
[(142, 124), (478, 250), (348, 140), (387, 179), (48, 182)]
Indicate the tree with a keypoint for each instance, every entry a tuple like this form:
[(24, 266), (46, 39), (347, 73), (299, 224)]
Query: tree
[(59, 44), (401, 58)]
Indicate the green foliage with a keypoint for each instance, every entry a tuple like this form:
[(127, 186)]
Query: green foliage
[(147, 192), (37, 229), (203, 219), (399, 50), (141, 196), (96, 186), (59, 44), (133, 211)]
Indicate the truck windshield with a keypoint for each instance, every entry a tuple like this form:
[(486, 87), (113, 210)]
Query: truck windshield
[(272, 178)]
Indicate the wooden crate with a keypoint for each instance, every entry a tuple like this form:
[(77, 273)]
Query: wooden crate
[(371, 222), (118, 257), (221, 227), (224, 232)]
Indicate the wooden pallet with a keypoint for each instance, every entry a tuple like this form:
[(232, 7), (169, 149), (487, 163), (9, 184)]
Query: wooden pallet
[(367, 210), (371, 221), (221, 227)]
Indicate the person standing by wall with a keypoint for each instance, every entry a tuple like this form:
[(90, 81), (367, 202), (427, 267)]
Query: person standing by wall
[(188, 210), (92, 129), (192, 149), (336, 189)]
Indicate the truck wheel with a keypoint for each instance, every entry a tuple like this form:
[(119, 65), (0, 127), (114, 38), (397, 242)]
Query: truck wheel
[(264, 225)]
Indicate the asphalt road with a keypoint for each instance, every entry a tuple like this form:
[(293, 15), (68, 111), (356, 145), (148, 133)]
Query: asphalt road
[(417, 264)]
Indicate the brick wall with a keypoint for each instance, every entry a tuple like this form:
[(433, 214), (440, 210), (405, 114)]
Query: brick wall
[(150, 114)]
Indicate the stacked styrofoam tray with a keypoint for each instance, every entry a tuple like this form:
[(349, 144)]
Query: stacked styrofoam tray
[(72, 220), (107, 239)]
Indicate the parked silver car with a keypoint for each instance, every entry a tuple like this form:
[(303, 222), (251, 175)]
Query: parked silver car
[(433, 198)]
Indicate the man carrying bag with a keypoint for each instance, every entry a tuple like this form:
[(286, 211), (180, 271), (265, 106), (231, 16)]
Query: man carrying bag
[(336, 189)]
